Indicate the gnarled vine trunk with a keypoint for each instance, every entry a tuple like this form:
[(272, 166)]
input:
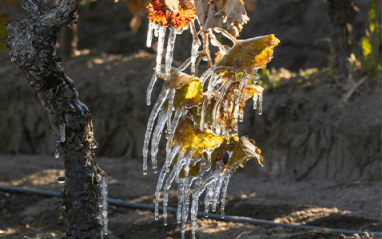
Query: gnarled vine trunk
[(32, 48)]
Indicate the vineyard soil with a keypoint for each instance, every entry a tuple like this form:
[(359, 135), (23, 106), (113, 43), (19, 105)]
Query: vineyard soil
[(352, 205)]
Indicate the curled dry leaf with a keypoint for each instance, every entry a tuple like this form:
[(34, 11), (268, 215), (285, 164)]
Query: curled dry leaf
[(243, 151), (227, 14)]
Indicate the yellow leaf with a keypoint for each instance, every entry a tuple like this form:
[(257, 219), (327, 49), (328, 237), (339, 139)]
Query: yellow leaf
[(250, 54), (195, 140), (366, 46)]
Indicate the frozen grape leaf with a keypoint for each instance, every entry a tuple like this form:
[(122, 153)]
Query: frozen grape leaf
[(194, 139), (249, 54), (244, 151)]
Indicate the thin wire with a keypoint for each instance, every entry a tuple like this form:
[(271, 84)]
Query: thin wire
[(142, 206)]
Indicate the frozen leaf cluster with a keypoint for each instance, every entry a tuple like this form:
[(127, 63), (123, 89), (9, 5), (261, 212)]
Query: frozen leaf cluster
[(199, 113)]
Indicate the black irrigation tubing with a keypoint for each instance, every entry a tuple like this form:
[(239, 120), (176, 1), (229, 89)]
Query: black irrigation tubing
[(142, 206)]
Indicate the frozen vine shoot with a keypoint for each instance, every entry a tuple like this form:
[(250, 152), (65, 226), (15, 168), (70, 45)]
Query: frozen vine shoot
[(201, 112)]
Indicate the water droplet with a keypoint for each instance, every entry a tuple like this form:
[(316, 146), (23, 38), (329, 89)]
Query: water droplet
[(57, 153), (61, 179)]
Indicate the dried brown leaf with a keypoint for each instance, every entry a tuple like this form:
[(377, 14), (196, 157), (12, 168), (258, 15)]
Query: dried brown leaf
[(227, 14)]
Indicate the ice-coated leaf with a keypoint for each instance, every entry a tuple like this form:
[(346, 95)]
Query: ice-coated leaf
[(189, 94), (191, 138), (189, 89), (243, 151), (249, 54)]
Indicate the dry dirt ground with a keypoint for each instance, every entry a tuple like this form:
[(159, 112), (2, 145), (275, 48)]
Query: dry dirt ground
[(355, 205)]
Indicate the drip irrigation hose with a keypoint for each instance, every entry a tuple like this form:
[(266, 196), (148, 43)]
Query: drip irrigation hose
[(142, 206)]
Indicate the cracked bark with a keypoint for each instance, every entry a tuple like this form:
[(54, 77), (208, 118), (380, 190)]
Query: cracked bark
[(32, 48)]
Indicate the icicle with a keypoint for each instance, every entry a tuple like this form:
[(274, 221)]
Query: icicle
[(194, 48), (211, 195), (150, 124), (170, 155), (180, 202), (255, 98), (260, 104), (156, 30), (208, 156), (181, 160), (188, 162), (62, 132), (166, 187), (198, 189), (162, 175), (216, 110), (156, 139), (239, 93), (207, 202), (104, 204), (165, 202), (194, 51), (224, 194), (194, 211), (185, 205), (170, 110), (150, 88), (170, 50), (203, 114), (215, 198), (175, 121), (162, 35), (170, 179), (150, 34)]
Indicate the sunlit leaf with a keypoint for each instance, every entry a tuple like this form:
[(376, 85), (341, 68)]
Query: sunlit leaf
[(244, 151), (366, 46), (193, 139), (249, 54)]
